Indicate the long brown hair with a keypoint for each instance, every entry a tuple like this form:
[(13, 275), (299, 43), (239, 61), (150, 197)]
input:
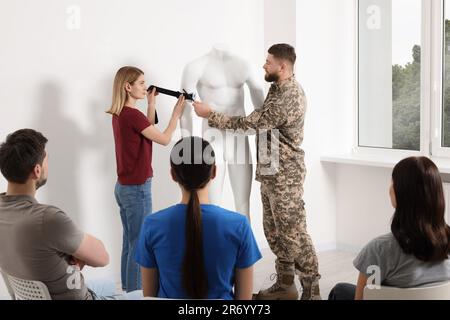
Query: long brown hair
[(418, 223), (123, 76), (192, 161)]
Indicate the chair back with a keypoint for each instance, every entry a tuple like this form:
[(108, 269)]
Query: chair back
[(8, 286), (28, 289), (440, 291)]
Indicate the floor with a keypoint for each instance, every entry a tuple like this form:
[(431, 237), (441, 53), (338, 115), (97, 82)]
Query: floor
[(334, 266)]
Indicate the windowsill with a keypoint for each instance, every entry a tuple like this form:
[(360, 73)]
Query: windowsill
[(385, 161)]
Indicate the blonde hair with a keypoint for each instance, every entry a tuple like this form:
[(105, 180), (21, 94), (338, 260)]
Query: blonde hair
[(123, 76)]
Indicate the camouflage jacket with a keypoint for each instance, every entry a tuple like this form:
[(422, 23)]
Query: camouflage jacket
[(279, 128)]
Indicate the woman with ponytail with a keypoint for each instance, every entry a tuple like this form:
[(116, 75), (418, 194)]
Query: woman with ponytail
[(195, 250)]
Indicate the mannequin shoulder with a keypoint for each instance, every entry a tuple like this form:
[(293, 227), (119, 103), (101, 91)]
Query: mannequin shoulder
[(192, 73), (241, 64), (196, 66), (237, 71)]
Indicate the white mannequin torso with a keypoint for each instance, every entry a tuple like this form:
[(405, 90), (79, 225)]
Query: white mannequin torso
[(222, 87), (219, 78)]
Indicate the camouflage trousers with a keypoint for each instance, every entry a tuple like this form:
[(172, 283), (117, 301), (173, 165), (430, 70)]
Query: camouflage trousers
[(284, 221)]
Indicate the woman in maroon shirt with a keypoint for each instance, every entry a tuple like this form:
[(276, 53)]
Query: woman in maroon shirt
[(134, 134)]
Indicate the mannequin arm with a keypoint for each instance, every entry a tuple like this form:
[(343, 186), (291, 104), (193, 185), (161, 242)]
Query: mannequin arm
[(188, 83), (256, 90), (186, 123)]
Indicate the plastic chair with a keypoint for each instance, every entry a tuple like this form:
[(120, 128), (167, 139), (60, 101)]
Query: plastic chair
[(27, 289), (440, 291), (8, 286)]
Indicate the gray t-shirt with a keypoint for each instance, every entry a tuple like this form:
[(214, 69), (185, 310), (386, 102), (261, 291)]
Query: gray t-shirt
[(35, 243), (398, 269)]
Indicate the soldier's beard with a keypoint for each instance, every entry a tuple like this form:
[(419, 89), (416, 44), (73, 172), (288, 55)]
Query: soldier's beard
[(271, 77)]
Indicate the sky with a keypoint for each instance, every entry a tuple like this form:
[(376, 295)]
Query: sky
[(406, 29)]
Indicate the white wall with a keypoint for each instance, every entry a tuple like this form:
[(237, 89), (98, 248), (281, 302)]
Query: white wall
[(280, 25), (325, 69), (59, 81), (346, 201), (363, 207), (347, 205)]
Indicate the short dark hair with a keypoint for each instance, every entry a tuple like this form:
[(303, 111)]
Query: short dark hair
[(283, 51), (418, 223), (20, 153)]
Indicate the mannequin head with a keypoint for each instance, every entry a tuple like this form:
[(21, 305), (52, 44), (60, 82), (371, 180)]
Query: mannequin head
[(280, 62)]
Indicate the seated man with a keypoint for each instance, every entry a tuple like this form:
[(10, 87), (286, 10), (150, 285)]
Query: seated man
[(40, 242)]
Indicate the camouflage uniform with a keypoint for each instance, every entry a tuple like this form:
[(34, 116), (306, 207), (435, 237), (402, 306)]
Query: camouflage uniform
[(281, 171)]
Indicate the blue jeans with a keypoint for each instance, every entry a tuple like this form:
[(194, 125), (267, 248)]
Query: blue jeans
[(105, 289), (135, 202), (343, 291)]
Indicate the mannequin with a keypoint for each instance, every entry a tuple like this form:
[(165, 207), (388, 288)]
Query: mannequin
[(219, 78)]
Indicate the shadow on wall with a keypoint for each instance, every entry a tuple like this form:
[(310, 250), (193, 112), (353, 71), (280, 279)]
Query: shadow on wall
[(65, 141), (101, 141), (68, 147)]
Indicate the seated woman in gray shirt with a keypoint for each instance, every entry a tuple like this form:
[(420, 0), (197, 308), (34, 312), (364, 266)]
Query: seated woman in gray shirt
[(416, 251)]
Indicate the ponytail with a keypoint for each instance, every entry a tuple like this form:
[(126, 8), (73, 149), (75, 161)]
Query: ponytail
[(194, 273), (192, 168)]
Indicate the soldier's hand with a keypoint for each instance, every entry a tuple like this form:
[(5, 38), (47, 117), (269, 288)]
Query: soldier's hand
[(202, 109)]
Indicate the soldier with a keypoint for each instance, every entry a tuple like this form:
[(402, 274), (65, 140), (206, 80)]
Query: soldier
[(281, 171)]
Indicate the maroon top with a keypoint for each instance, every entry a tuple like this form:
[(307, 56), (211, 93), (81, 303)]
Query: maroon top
[(133, 150)]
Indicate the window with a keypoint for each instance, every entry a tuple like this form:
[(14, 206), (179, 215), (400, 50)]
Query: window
[(445, 139), (389, 74)]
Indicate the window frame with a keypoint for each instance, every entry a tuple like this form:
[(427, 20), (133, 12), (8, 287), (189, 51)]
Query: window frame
[(425, 92), (437, 78)]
